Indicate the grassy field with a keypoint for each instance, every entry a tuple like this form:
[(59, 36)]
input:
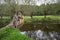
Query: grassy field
[(40, 18), (28, 19)]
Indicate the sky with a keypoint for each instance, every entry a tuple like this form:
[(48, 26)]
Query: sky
[(38, 2)]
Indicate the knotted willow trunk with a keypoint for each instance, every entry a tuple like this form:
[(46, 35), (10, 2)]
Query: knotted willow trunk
[(17, 21)]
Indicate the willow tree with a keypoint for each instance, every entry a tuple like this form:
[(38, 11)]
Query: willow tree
[(13, 4), (30, 3)]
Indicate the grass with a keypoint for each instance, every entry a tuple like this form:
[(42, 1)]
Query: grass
[(5, 17), (12, 34), (36, 17), (54, 17), (40, 18), (27, 19)]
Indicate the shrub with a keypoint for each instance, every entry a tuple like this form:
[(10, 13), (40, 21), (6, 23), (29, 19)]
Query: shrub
[(4, 22)]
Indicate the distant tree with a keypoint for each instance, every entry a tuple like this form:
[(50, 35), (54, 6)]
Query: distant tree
[(31, 15), (12, 6), (58, 12), (58, 1)]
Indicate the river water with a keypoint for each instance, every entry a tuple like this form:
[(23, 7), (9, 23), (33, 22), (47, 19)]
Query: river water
[(41, 35)]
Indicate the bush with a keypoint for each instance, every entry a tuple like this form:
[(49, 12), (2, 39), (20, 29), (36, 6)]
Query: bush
[(4, 22), (12, 34)]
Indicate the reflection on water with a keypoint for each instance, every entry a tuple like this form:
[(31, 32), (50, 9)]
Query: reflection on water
[(41, 35)]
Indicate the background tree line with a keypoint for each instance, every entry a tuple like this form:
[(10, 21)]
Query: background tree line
[(29, 9), (52, 9)]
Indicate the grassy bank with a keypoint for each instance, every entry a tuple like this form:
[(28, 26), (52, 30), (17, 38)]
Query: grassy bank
[(12, 34)]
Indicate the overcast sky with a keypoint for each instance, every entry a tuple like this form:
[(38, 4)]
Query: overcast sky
[(38, 2)]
